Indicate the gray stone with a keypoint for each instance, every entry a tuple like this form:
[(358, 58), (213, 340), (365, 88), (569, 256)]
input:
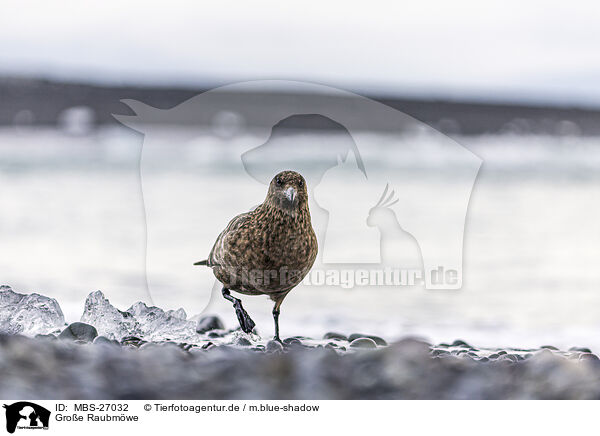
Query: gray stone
[(460, 343), (274, 347), (103, 340), (292, 341), (208, 323), (582, 349), (243, 342), (133, 341), (363, 343), (79, 331), (413, 348), (376, 339), (510, 357), (334, 335)]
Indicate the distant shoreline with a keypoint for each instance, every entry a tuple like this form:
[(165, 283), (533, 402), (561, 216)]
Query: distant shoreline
[(43, 101)]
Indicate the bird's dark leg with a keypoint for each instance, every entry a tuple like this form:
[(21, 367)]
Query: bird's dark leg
[(276, 319), (278, 300), (244, 319)]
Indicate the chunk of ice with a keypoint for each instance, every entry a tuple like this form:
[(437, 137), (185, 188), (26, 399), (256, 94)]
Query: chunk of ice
[(108, 320), (29, 314), (146, 322)]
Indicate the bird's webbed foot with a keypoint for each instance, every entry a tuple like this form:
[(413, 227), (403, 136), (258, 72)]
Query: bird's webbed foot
[(246, 323)]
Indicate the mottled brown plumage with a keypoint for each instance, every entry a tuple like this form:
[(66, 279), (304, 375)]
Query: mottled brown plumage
[(269, 250)]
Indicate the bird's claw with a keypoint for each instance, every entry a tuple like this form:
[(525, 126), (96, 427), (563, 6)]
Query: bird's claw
[(244, 319)]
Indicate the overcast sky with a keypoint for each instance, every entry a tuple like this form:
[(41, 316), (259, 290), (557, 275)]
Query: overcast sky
[(508, 50)]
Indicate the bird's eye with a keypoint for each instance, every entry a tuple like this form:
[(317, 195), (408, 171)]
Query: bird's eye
[(300, 184), (279, 181)]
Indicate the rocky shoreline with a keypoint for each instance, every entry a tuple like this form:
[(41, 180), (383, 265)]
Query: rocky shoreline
[(148, 353)]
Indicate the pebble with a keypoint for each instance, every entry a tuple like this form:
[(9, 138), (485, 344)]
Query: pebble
[(334, 335), (50, 337), (363, 343), (295, 346), (208, 323), (166, 344), (510, 357), (549, 347), (588, 356), (274, 347), (413, 346), (582, 349), (196, 350), (106, 341), (243, 342), (291, 341), (79, 331), (132, 340), (376, 339), (544, 352), (460, 343)]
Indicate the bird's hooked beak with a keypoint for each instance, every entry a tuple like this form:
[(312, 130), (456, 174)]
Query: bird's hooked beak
[(290, 194)]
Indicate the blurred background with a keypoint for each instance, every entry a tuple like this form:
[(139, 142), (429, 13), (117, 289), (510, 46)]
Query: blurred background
[(516, 83)]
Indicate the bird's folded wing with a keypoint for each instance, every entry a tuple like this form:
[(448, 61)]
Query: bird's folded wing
[(216, 254)]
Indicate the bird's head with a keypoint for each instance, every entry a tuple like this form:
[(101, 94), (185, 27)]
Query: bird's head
[(287, 191)]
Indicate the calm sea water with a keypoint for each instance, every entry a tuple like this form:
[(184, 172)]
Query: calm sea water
[(80, 213)]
